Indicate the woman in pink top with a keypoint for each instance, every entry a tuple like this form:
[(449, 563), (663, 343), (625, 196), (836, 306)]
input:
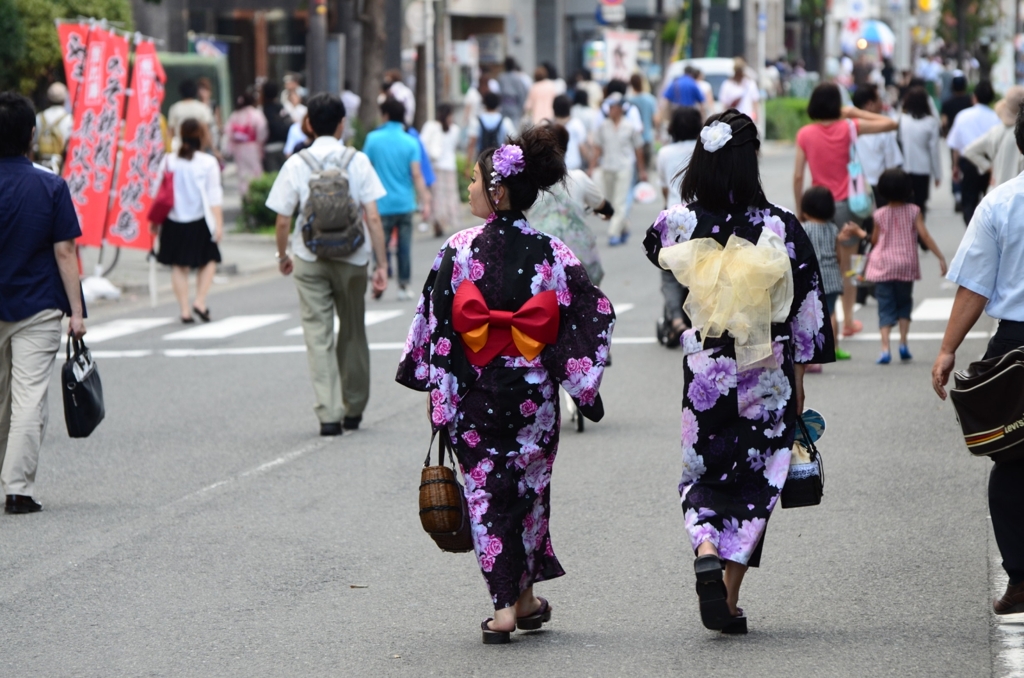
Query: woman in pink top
[(893, 264), (540, 102), (244, 136), (824, 146)]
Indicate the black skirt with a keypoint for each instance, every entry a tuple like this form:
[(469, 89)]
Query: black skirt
[(187, 244)]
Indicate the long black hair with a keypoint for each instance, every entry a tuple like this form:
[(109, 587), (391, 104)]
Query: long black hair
[(728, 178)]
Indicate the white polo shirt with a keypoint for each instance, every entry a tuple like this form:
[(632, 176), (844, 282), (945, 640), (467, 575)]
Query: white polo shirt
[(291, 190)]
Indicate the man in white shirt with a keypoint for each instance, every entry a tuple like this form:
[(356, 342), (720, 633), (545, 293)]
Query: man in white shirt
[(877, 152), (740, 92), (351, 101), (53, 127), (487, 130), (188, 107), (339, 366), (401, 92), (989, 269), (618, 149), (968, 126)]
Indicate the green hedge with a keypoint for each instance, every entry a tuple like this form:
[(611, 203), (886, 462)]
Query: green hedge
[(255, 215), (784, 117)]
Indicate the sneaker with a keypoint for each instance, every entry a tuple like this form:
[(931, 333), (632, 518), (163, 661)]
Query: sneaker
[(614, 241), (403, 294), (905, 353), (842, 355), (884, 359)]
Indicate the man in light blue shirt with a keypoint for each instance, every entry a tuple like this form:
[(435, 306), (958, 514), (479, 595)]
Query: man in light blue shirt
[(989, 268), (396, 158)]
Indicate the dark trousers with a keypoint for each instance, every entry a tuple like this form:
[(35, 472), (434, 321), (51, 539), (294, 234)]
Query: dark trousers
[(403, 224), (922, 186), (972, 187), (1006, 482)]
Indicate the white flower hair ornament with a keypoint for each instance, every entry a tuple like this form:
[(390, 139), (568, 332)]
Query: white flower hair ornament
[(507, 161), (715, 136)]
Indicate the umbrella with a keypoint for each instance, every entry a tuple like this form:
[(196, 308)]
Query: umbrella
[(880, 34)]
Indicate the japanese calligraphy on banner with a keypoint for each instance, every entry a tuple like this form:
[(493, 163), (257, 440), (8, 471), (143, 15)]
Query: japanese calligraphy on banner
[(92, 150), (73, 38), (143, 151)]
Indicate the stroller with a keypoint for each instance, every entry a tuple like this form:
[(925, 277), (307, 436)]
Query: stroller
[(674, 294)]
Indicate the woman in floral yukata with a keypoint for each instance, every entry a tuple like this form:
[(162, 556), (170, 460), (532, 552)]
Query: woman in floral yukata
[(507, 314), (755, 296)]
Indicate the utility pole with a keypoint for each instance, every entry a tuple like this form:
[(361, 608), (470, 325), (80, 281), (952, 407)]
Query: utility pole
[(316, 51), (429, 71)]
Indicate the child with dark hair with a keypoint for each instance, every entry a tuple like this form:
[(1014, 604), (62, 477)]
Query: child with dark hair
[(507, 315), (819, 209), (893, 261)]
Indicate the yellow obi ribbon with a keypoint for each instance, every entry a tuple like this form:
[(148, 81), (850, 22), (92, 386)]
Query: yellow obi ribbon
[(735, 289)]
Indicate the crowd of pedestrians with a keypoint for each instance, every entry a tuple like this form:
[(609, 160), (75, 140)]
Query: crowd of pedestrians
[(542, 155)]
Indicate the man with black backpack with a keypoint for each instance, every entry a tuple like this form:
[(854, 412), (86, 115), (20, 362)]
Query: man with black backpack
[(336, 191), (489, 130)]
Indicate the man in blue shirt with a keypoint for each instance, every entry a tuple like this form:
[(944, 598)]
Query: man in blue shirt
[(684, 91), (39, 285), (396, 158)]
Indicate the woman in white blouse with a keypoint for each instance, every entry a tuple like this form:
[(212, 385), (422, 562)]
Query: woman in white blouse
[(919, 137), (189, 236), (441, 139)]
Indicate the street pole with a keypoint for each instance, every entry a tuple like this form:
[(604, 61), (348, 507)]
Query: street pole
[(316, 57), (429, 40), (762, 54)]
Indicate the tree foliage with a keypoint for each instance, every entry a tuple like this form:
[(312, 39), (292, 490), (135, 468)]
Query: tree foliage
[(41, 54), (12, 46)]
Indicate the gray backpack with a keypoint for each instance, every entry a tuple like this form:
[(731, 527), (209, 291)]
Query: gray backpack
[(331, 221)]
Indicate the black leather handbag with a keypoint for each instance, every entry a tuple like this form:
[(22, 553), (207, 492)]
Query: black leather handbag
[(989, 401), (83, 392), (805, 483)]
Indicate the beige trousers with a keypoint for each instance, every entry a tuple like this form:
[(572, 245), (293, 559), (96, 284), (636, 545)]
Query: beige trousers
[(616, 191), (339, 366), (28, 350)]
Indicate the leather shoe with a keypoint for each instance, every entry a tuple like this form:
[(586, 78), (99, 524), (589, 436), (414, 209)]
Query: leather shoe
[(18, 503), (333, 429), (352, 423), (1012, 601)]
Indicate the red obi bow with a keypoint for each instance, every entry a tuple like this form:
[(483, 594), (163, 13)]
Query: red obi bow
[(487, 334)]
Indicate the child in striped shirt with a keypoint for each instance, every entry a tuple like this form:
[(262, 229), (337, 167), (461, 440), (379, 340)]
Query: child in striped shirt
[(892, 263), (819, 208)]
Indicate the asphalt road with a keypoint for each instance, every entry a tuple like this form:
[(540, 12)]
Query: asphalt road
[(206, 530)]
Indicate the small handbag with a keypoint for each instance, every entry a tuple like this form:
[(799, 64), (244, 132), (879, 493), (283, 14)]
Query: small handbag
[(805, 483), (988, 398), (163, 203), (859, 198), (83, 392), (444, 513)]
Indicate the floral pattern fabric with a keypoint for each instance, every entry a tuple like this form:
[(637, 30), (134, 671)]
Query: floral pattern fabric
[(738, 426), (503, 419)]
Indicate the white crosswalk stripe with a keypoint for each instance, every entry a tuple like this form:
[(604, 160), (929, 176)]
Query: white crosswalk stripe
[(228, 327), (371, 318), (121, 328), (936, 308)]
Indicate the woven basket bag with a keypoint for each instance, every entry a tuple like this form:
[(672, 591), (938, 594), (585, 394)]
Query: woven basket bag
[(443, 510)]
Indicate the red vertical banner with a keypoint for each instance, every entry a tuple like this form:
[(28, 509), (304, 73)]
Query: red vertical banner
[(92, 150), (73, 40), (127, 225)]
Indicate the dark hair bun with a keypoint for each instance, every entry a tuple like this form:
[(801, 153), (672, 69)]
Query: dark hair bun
[(561, 137), (545, 161)]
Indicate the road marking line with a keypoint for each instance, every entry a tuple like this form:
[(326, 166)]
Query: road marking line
[(371, 318), (935, 308), (839, 309), (912, 336), (250, 350), (120, 328), (262, 468), (1008, 630), (633, 340), (623, 308), (228, 327), (140, 353)]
